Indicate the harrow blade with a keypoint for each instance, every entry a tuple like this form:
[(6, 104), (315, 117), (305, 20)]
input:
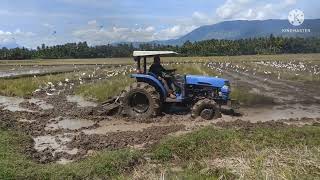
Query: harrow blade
[(110, 107)]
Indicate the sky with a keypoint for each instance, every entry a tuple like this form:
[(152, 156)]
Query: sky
[(30, 23)]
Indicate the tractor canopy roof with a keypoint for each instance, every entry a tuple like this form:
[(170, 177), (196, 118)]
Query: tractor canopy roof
[(151, 53)]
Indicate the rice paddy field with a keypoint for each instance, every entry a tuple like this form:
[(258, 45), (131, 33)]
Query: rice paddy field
[(49, 128)]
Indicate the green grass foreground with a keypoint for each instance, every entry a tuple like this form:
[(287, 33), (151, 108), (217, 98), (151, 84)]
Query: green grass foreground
[(214, 142), (15, 165), (268, 152)]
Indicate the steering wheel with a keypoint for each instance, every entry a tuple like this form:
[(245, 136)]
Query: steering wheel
[(171, 70)]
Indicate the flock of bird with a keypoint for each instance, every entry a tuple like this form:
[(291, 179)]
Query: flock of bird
[(263, 67), (267, 67), (77, 77), (294, 66)]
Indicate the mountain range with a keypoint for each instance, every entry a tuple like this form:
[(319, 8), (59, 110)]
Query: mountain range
[(242, 29)]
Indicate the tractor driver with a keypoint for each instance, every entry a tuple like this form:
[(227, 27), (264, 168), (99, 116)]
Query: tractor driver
[(163, 75)]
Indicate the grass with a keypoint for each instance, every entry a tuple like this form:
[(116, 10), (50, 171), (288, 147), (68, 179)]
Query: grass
[(272, 153), (199, 173), (15, 165), (193, 68), (260, 152), (213, 142), (102, 90), (26, 85), (296, 163)]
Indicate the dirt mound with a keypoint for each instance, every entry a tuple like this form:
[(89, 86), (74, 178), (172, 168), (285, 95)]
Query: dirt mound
[(30, 105), (118, 140)]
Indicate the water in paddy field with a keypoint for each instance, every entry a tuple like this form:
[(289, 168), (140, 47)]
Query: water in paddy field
[(13, 104), (68, 123), (81, 102), (26, 70), (279, 112), (55, 144)]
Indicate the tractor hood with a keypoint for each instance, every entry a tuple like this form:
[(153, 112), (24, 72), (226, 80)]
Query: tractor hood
[(206, 80)]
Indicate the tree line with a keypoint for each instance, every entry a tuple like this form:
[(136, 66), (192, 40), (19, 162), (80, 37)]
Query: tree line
[(214, 47)]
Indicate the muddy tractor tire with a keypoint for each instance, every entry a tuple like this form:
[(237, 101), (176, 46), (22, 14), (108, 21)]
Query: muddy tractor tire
[(206, 108), (140, 100)]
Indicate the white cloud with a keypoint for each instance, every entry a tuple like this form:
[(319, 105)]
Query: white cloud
[(290, 2), (115, 34), (92, 22), (174, 32), (15, 36), (150, 29), (47, 25), (250, 10), (199, 18), (97, 36), (199, 15), (231, 8)]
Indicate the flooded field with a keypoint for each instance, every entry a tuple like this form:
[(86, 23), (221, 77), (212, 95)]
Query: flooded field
[(65, 127)]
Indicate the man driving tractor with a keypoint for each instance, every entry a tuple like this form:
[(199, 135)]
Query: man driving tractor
[(163, 75)]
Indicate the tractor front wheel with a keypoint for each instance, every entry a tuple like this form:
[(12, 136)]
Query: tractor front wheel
[(140, 100), (206, 108)]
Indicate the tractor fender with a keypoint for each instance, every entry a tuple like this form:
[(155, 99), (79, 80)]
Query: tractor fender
[(153, 82)]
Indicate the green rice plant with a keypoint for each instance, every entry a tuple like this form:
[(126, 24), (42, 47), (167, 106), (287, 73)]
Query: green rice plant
[(102, 90), (26, 85)]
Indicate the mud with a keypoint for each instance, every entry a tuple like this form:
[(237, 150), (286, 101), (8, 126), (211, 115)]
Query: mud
[(65, 127), (81, 102), (281, 90), (118, 140)]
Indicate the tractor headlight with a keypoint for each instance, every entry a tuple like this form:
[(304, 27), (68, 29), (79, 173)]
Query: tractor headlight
[(225, 89)]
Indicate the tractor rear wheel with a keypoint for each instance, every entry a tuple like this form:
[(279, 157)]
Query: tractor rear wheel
[(206, 108), (140, 100)]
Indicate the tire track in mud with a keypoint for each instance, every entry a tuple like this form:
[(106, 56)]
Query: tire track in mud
[(283, 92), (59, 132)]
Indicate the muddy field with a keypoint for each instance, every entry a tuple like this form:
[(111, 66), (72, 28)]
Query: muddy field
[(66, 127)]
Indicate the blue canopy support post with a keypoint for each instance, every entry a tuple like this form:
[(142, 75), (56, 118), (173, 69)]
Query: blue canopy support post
[(145, 65), (138, 64)]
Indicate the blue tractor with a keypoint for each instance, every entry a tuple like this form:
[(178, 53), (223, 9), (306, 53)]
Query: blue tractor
[(147, 97)]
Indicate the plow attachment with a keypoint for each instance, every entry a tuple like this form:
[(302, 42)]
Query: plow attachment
[(110, 107)]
